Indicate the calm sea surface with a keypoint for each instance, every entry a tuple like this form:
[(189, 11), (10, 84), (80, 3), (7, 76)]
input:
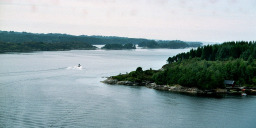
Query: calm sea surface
[(42, 89)]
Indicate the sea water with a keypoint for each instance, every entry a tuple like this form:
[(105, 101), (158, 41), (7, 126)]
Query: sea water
[(46, 89)]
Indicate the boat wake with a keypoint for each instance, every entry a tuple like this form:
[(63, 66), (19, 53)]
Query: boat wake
[(75, 68)]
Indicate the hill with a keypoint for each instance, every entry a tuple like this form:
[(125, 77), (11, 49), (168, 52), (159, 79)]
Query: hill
[(23, 42), (21, 37)]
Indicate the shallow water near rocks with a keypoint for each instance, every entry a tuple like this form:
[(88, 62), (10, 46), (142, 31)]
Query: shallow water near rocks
[(45, 89)]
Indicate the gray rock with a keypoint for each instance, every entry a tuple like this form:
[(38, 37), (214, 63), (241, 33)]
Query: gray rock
[(175, 88), (125, 83), (110, 81)]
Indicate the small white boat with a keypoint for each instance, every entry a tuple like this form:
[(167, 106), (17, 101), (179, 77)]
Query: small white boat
[(79, 67)]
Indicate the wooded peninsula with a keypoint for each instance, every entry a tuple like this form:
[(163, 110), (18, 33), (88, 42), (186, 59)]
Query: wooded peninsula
[(204, 68)]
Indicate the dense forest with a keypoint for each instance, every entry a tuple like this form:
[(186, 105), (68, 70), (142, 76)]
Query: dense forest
[(119, 46), (21, 37), (173, 44), (225, 51), (23, 42), (205, 67), (40, 46)]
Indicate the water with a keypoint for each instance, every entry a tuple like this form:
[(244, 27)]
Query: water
[(42, 89)]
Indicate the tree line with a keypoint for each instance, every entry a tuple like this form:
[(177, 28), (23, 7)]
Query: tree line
[(22, 42), (21, 37), (119, 46), (228, 50), (42, 46), (207, 74), (174, 44)]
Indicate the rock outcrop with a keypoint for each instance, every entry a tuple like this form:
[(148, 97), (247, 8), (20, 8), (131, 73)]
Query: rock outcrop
[(174, 88), (180, 89), (109, 80)]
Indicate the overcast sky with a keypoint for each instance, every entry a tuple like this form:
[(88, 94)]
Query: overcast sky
[(190, 20)]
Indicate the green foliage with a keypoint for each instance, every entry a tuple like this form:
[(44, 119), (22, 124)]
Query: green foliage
[(221, 52), (206, 67), (136, 76), (214, 63), (40, 46), (149, 44), (21, 37), (59, 39), (174, 44), (139, 69), (207, 74)]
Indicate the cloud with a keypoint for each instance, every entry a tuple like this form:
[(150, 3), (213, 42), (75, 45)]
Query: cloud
[(233, 1), (161, 19), (33, 8), (213, 1), (134, 12)]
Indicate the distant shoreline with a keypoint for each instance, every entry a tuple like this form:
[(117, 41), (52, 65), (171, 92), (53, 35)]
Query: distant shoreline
[(21, 48), (11, 41)]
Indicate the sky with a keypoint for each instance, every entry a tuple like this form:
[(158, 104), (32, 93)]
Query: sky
[(189, 20)]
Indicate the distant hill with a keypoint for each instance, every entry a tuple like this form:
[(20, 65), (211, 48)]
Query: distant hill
[(11, 41), (21, 37), (40, 46)]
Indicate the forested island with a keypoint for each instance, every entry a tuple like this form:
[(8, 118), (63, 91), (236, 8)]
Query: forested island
[(199, 70), (173, 44), (119, 46), (24, 42)]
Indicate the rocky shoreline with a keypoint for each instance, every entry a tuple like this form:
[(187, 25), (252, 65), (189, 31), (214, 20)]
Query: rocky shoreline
[(174, 88)]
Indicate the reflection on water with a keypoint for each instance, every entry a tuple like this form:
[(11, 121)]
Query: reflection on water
[(43, 89)]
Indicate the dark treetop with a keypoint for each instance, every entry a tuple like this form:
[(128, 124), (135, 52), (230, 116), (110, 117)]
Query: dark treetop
[(41, 46)]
